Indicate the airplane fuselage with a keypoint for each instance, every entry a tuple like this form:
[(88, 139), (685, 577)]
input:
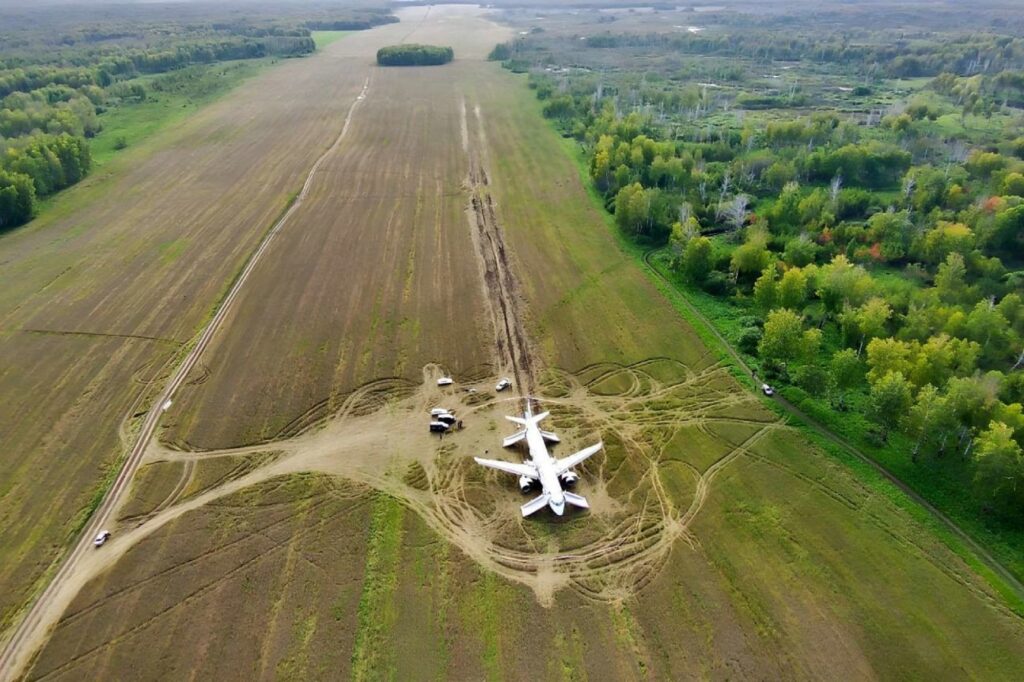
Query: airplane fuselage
[(549, 481)]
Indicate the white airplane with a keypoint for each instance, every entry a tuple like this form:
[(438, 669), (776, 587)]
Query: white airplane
[(551, 473)]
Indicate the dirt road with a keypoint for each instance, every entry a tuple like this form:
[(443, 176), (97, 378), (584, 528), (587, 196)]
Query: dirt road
[(30, 634)]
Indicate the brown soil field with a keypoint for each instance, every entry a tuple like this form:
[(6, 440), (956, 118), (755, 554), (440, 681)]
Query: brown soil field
[(379, 277), (762, 564), (719, 543), (99, 295), (378, 280)]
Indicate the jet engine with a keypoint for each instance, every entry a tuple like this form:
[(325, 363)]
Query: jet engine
[(525, 483), (569, 478)]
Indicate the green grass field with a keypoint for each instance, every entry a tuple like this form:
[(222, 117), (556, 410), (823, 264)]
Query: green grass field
[(170, 98), (325, 38)]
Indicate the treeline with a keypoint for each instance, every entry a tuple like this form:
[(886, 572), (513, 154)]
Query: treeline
[(132, 63), (875, 274), (47, 112), (352, 24), (901, 58), (36, 167), (414, 55)]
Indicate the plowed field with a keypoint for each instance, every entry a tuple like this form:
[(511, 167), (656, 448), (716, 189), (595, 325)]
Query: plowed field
[(100, 295), (298, 521)]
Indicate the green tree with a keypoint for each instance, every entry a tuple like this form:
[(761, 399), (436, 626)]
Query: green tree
[(752, 256), (951, 280), (928, 420), (866, 322), (695, 263), (845, 371), (17, 199), (766, 289), (841, 283), (946, 238), (792, 289), (1008, 229), (784, 338), (812, 378), (888, 356), (785, 212), (800, 251), (633, 209), (942, 357), (890, 400), (893, 231), (987, 326), (1013, 185), (999, 475)]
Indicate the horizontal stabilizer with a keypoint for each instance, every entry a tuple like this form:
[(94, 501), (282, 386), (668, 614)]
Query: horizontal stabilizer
[(535, 505), (550, 437), (527, 470), (513, 439), (529, 419), (576, 500), (563, 465)]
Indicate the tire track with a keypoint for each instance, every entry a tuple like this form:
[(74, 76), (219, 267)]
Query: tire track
[(501, 286), (31, 632)]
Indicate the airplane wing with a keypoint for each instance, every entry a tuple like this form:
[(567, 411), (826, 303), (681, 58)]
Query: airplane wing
[(508, 467), (513, 439), (535, 505), (566, 463), (550, 437), (576, 500)]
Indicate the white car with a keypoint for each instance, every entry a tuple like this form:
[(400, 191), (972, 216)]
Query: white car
[(101, 538), (768, 390), (502, 385), (445, 381)]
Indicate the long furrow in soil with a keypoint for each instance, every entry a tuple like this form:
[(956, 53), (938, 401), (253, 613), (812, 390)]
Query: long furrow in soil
[(501, 286)]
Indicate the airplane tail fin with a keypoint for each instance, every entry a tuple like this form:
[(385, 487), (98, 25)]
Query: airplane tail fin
[(576, 500), (535, 505)]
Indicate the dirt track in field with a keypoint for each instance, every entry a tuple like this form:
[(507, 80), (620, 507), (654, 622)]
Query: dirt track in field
[(503, 291), (671, 428), (29, 633), (98, 302), (377, 439), (379, 279)]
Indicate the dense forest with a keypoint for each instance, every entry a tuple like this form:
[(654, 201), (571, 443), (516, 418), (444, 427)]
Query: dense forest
[(54, 88), (860, 238), (411, 54)]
